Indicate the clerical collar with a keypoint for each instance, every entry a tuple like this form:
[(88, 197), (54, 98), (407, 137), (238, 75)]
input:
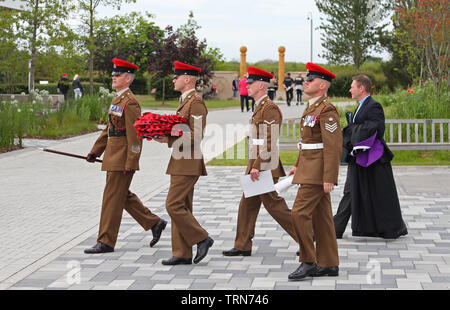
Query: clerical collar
[(122, 91), (260, 99), (183, 95)]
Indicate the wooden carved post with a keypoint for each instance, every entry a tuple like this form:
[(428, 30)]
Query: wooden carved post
[(281, 50), (243, 70)]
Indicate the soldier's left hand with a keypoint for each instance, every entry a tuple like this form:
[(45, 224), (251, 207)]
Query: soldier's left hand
[(128, 171), (328, 187), (254, 174)]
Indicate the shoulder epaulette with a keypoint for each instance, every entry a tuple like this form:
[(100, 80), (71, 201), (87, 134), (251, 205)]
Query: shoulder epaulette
[(267, 105)]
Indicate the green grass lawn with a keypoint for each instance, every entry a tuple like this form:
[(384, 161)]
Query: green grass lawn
[(234, 157)]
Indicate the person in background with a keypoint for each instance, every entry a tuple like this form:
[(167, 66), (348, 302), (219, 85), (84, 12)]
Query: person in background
[(77, 87), (235, 86), (273, 86), (289, 84), (299, 88), (243, 92), (63, 85)]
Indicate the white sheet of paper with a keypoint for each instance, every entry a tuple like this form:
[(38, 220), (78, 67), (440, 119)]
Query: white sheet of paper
[(284, 184), (261, 186)]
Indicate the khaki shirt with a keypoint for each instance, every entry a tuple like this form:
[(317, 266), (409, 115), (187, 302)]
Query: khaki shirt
[(121, 152), (194, 110), (266, 115), (319, 166)]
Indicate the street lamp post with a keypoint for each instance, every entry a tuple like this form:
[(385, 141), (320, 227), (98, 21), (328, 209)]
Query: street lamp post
[(310, 18)]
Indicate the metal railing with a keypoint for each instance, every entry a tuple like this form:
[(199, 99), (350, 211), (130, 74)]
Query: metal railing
[(400, 134)]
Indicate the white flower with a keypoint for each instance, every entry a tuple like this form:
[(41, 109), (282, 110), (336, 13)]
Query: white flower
[(19, 110), (22, 93), (13, 97)]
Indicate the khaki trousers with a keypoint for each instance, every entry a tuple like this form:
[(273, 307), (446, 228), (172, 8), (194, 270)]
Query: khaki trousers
[(248, 212), (186, 231), (310, 214), (117, 197)]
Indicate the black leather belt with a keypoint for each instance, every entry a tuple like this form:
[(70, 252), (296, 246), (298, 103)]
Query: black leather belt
[(116, 133)]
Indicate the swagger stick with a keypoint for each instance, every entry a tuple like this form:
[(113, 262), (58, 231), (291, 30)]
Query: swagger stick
[(69, 154)]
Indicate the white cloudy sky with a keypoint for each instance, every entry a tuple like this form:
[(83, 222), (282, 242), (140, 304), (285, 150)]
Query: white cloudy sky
[(261, 25)]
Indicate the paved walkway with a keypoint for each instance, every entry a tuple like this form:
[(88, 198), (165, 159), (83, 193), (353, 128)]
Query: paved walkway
[(50, 209)]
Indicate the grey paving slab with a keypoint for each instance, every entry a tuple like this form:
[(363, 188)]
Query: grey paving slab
[(417, 261), (51, 205)]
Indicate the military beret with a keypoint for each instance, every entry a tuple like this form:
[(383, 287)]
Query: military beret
[(121, 66), (184, 69), (256, 74), (316, 71)]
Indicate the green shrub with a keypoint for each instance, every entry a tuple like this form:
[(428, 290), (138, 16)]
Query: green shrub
[(170, 93), (419, 102)]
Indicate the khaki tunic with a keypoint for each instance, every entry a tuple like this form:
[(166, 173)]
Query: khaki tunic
[(120, 153), (311, 212), (184, 172), (268, 115), (194, 110), (322, 165)]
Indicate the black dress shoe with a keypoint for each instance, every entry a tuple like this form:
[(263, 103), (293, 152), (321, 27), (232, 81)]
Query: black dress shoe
[(202, 249), (305, 270), (326, 271), (236, 252), (177, 261), (99, 248), (157, 230)]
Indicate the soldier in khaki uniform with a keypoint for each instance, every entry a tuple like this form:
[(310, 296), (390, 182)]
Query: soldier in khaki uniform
[(122, 150), (266, 122), (317, 170), (185, 166)]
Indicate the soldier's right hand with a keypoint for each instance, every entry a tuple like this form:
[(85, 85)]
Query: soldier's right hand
[(91, 157), (292, 171)]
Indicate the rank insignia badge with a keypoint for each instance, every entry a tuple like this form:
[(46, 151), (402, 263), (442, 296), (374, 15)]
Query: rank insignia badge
[(331, 127)]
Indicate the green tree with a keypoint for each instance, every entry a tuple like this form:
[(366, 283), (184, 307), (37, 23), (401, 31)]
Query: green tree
[(43, 25), (182, 45), (88, 9), (422, 32), (13, 63), (351, 29), (125, 37)]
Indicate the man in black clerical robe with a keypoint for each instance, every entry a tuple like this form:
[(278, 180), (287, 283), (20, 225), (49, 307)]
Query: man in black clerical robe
[(370, 194)]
